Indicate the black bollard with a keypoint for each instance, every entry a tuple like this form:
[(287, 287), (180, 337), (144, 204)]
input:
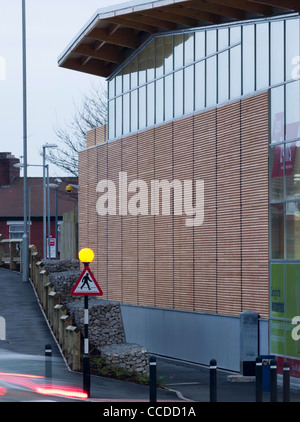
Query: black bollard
[(273, 380), (258, 379), (48, 363), (286, 381), (213, 380), (152, 371)]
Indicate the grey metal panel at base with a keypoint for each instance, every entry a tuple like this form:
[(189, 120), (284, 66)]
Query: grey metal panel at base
[(191, 336)]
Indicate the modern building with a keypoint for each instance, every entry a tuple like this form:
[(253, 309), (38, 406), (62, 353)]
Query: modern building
[(12, 205), (190, 196)]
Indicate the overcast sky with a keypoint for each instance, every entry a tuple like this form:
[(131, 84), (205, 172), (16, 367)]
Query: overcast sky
[(52, 91)]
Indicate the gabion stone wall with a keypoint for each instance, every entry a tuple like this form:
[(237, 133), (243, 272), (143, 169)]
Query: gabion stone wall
[(105, 321), (106, 331)]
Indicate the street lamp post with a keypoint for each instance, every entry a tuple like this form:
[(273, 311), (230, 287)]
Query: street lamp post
[(25, 263), (44, 198), (54, 186)]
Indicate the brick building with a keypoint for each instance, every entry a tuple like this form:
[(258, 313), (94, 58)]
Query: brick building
[(197, 91), (12, 208)]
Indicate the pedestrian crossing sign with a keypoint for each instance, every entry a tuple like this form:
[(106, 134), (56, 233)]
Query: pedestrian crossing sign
[(86, 285)]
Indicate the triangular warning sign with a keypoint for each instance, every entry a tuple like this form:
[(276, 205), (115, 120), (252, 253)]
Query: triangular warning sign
[(86, 285)]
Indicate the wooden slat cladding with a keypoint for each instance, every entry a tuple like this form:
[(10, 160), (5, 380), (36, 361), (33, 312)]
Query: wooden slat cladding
[(163, 244), (229, 206), (114, 227), (102, 251), (183, 169), (146, 223), (255, 268), (96, 136), (220, 266), (205, 250)]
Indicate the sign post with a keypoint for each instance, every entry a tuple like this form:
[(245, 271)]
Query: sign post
[(86, 286)]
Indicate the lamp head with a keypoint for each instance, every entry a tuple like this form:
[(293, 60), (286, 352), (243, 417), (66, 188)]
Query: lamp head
[(86, 255)]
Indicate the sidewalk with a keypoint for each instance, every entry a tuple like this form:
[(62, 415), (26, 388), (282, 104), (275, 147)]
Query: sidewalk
[(27, 333)]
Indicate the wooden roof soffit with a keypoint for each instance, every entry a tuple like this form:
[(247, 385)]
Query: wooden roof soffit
[(113, 37)]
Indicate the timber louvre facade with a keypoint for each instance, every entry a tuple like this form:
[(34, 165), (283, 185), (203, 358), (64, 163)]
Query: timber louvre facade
[(156, 260), (218, 103)]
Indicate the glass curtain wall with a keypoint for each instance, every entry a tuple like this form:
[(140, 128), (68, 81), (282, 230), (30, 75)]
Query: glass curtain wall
[(284, 185), (175, 75), (179, 74)]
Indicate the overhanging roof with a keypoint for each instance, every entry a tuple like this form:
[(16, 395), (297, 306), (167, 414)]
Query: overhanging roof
[(114, 33)]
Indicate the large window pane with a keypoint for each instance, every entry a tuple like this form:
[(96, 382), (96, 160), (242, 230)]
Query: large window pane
[(292, 173), (277, 52), (159, 101), (111, 88), (111, 119), (178, 51), (276, 172), (142, 107), (293, 230), (235, 72), (134, 73), (200, 85), (277, 337), (134, 111), (169, 89), (248, 59), (292, 46), (126, 113), (277, 114), (292, 281), (159, 57), (211, 42), (151, 61), (223, 77), (211, 81), (189, 89), (292, 129), (150, 104), (178, 93), (142, 67), (199, 45), (119, 85), (277, 290), (168, 54), (119, 116), (235, 35), (223, 38), (188, 48), (262, 55), (126, 78), (277, 231)]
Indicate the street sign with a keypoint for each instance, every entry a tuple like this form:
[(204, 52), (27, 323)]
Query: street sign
[(51, 243), (86, 285)]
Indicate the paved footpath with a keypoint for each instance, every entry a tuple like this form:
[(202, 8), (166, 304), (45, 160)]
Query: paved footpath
[(23, 352), (27, 333)]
